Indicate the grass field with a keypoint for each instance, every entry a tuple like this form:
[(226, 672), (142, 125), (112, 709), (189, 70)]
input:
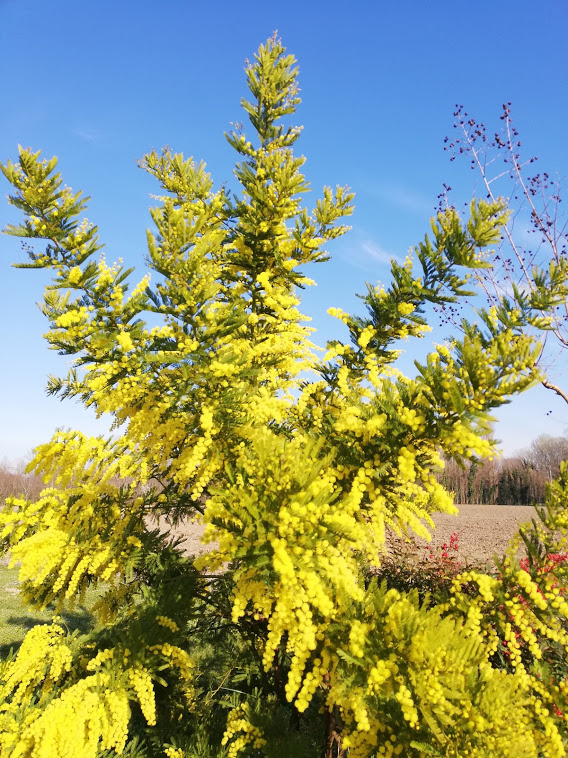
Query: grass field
[(16, 618)]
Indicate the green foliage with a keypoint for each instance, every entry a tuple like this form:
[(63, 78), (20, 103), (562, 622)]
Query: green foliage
[(273, 643)]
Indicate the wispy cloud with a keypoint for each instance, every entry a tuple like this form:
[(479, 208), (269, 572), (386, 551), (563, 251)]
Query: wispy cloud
[(368, 255), (377, 253), (404, 198), (88, 135)]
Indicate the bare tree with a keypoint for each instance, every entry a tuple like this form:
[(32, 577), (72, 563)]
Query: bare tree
[(526, 278), (519, 480), (546, 453), (14, 481)]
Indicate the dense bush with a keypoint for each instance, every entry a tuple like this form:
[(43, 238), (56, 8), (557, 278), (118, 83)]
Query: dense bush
[(277, 642)]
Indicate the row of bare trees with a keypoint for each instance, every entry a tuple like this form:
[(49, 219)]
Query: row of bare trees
[(518, 480), (15, 481)]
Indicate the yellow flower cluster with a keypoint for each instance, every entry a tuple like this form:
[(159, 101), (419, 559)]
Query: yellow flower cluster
[(409, 712), (141, 682), (168, 623), (87, 717), (406, 463), (339, 314), (43, 660), (177, 657), (366, 336), (405, 309), (239, 733), (69, 537), (433, 670), (412, 418), (358, 637), (174, 752), (531, 589), (379, 673)]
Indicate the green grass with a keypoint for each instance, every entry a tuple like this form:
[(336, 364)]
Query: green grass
[(16, 618)]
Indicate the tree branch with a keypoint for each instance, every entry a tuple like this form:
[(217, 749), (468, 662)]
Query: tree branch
[(554, 388)]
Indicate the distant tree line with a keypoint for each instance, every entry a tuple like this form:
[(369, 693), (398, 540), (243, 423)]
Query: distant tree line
[(15, 481), (517, 480)]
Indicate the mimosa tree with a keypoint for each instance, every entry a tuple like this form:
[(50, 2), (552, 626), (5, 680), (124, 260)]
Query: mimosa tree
[(277, 642)]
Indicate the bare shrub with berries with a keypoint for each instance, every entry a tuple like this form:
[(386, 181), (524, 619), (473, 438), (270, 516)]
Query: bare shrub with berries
[(528, 270)]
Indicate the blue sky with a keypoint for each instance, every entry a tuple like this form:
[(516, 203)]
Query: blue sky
[(99, 84)]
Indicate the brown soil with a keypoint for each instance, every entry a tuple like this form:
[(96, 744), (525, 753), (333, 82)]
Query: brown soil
[(482, 531), (190, 533)]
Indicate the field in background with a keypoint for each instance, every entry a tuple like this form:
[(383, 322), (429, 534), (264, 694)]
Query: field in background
[(482, 530)]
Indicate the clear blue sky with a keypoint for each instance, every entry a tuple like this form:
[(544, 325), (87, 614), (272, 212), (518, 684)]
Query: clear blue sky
[(99, 84)]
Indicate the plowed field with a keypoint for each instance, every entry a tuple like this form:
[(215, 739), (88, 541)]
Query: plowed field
[(482, 531)]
